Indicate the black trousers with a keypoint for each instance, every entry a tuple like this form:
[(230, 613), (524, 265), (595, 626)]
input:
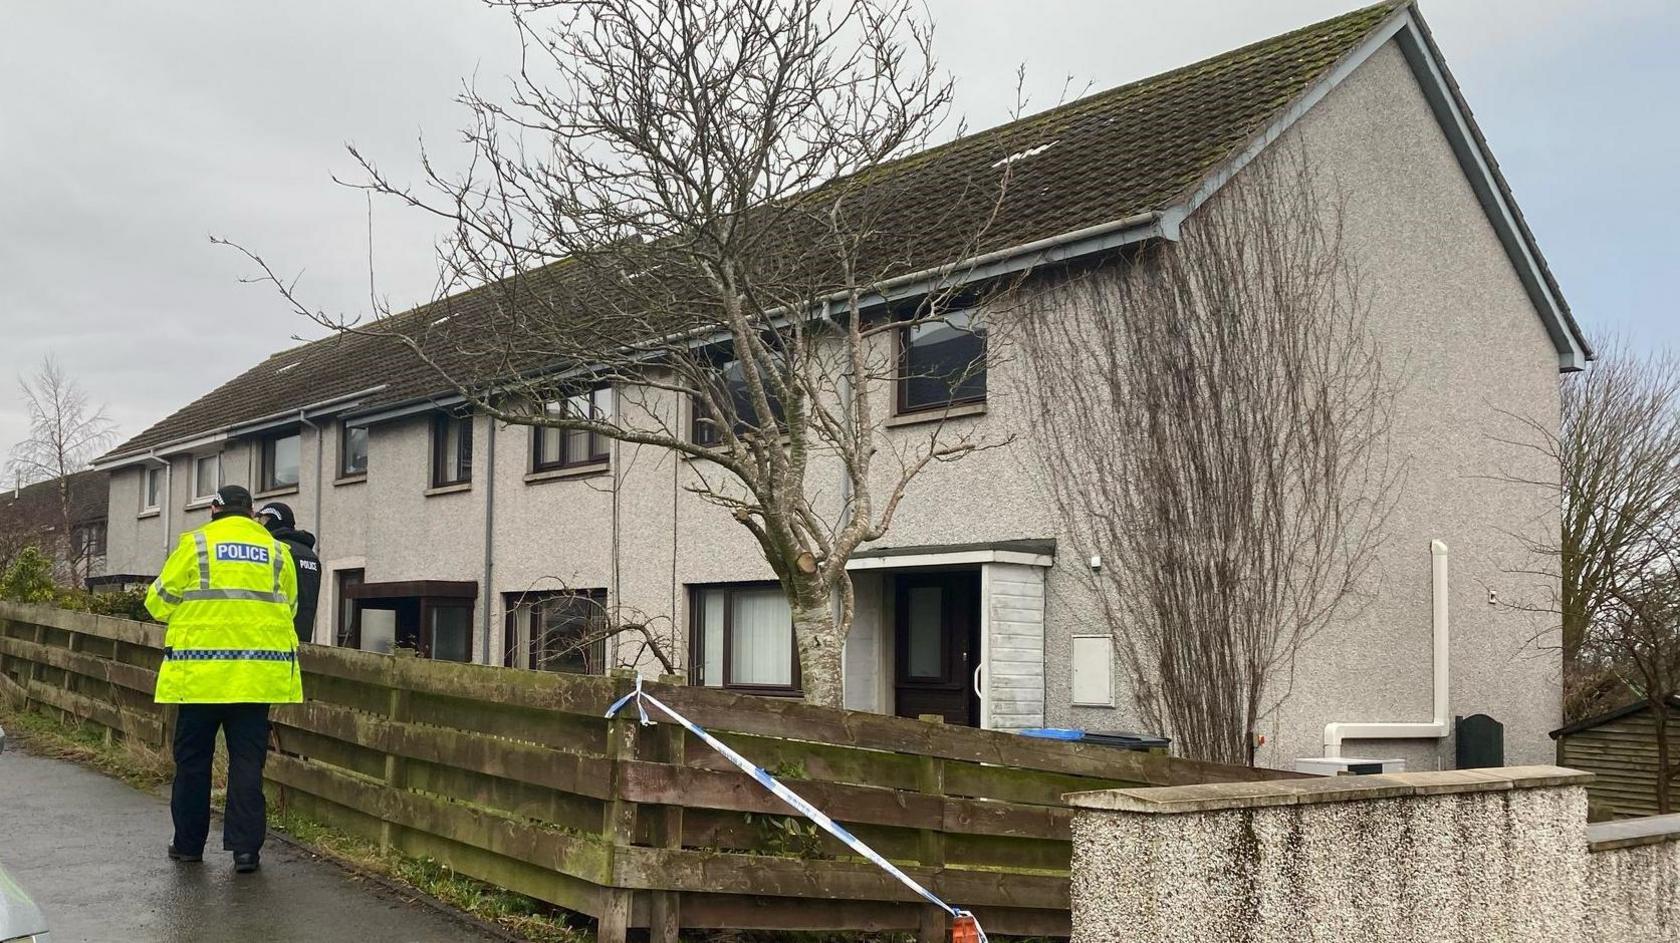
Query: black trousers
[(245, 824)]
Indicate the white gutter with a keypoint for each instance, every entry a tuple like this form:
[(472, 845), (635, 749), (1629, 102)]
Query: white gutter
[(1335, 733), (223, 433), (1162, 224)]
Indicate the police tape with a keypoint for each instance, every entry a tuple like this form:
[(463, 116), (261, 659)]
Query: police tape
[(798, 802)]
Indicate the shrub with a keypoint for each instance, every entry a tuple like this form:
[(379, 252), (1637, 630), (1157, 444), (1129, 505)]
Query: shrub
[(29, 578)]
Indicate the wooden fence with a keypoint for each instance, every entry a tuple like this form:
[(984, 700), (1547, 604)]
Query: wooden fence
[(1620, 750), (514, 777)]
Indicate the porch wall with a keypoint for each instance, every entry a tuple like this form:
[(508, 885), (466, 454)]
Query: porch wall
[(1013, 648)]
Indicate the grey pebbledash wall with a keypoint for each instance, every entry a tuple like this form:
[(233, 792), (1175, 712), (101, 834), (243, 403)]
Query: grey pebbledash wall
[(1440, 857)]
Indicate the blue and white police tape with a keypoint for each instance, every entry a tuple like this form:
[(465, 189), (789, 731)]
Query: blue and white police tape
[(798, 802)]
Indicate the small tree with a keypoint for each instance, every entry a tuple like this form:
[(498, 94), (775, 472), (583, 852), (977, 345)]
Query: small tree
[(1617, 450), (687, 203), (66, 431), (1214, 419), (1640, 636), (29, 578)]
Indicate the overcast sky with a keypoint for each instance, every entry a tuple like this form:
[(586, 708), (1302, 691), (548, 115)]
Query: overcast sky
[(131, 132)]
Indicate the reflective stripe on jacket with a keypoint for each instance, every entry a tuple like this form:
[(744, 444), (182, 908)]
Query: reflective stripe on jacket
[(228, 594)]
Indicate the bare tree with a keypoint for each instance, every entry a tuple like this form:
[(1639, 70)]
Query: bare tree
[(1638, 635), (690, 204), (1214, 415), (66, 432), (1616, 448)]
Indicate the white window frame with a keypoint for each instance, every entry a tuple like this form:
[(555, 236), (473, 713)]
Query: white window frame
[(148, 504), (205, 497)]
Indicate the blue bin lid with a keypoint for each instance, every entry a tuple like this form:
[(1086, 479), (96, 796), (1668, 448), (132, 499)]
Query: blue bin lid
[(1054, 733)]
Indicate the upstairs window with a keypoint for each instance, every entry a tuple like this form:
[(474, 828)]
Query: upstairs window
[(352, 451), (942, 363), (452, 448), (280, 462), (151, 489), (732, 377), (553, 449), (89, 539), (207, 476)]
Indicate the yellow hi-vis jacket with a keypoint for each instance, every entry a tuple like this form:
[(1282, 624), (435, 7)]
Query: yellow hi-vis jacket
[(228, 594)]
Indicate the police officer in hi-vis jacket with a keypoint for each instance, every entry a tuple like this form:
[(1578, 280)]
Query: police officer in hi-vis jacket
[(227, 594)]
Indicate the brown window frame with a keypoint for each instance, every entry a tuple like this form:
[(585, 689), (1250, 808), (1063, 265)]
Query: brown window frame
[(532, 611), (347, 636), (697, 640), (901, 398), (598, 450), (266, 462), (90, 539), (464, 447), (704, 432), (429, 605), (344, 430)]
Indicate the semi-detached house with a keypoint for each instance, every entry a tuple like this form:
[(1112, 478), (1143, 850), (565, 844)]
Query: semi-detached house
[(474, 541)]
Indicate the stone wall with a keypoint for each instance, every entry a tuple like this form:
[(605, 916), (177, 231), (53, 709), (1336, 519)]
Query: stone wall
[(1633, 873), (1441, 857)]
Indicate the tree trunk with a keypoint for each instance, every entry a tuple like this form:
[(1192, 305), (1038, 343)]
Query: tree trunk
[(1660, 716), (818, 638)]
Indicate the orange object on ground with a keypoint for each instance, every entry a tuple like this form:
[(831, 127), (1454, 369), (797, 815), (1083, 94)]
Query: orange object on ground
[(965, 930)]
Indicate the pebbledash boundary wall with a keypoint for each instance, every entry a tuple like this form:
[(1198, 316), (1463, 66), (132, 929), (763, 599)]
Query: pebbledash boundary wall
[(1441, 857)]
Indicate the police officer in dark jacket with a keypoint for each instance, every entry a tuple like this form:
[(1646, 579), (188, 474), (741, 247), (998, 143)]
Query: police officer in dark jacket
[(282, 524)]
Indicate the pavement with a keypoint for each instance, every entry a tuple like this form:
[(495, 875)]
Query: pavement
[(89, 850)]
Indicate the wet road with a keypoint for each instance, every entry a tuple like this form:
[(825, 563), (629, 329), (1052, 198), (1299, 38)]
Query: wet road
[(89, 849)]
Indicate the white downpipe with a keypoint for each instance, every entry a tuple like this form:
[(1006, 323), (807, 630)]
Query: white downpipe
[(1335, 733)]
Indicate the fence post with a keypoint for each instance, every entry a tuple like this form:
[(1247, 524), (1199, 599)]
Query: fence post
[(396, 710), (930, 780), (618, 825), (665, 919), (29, 702)]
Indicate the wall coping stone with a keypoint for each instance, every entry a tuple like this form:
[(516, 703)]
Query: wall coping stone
[(1212, 797), (1631, 833)]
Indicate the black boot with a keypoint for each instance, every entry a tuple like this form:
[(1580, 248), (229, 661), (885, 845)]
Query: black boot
[(245, 862), (176, 854)]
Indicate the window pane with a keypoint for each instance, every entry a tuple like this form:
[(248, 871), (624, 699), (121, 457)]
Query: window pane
[(205, 474), (354, 459), (379, 630), (153, 488), (563, 625), (548, 446), (945, 362), (347, 606), (761, 646), (280, 461), (577, 440), (926, 632), (732, 377), (711, 628), (451, 633), (452, 440)]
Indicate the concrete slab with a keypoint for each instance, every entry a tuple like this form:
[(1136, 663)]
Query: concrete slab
[(89, 849)]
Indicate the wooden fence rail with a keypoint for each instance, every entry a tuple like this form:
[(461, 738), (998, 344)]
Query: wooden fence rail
[(515, 778)]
